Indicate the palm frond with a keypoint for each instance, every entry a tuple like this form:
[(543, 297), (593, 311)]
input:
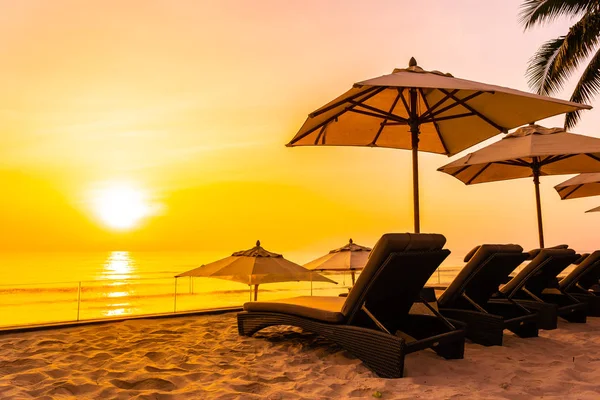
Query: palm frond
[(557, 59), (538, 71), (535, 12), (587, 87)]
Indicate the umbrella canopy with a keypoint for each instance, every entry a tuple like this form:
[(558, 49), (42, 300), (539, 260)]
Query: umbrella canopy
[(423, 110), (352, 257), (597, 209), (254, 267), (530, 151), (583, 185)]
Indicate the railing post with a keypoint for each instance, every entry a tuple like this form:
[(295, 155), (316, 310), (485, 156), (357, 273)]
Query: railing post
[(439, 276), (175, 297), (78, 299)]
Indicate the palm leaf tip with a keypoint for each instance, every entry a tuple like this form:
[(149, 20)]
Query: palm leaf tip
[(587, 88), (539, 73), (557, 59), (536, 12)]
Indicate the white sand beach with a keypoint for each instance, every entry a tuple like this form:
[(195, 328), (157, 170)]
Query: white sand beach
[(203, 357)]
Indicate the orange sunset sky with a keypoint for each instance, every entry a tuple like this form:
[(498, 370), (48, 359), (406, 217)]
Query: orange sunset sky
[(187, 106)]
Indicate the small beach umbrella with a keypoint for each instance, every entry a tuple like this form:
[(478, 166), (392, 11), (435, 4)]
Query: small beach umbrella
[(420, 110), (530, 151), (583, 185), (351, 257), (255, 267)]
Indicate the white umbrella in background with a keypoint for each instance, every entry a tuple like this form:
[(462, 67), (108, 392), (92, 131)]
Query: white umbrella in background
[(582, 185), (530, 151), (423, 111), (255, 267), (351, 257)]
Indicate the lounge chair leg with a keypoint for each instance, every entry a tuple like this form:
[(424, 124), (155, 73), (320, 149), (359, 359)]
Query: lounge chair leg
[(576, 316), (525, 329), (592, 301), (380, 352), (484, 329), (548, 318), (490, 337), (451, 351), (569, 307), (547, 313)]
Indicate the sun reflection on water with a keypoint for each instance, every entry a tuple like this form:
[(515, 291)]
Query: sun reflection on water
[(114, 313), (118, 294), (118, 267)]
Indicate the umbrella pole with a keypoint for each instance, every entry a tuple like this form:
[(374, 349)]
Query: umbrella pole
[(175, 297), (352, 273), (414, 130), (415, 166), (536, 182), (256, 292)]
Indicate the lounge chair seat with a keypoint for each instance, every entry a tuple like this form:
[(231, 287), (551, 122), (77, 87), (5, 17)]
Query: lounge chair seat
[(319, 308), (374, 321), (582, 282), (469, 298), (537, 284)]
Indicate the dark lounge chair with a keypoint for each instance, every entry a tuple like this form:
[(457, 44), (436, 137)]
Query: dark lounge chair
[(374, 322), (469, 297), (537, 283), (582, 282)]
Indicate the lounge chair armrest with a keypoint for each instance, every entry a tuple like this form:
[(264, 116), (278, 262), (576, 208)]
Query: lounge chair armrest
[(448, 344), (482, 328), (460, 314)]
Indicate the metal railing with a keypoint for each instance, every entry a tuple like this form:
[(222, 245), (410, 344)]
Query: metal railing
[(57, 302)]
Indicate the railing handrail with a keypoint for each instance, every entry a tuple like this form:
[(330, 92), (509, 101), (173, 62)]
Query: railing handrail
[(83, 281), (75, 282), (83, 286)]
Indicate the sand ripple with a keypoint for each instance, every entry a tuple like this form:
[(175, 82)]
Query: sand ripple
[(204, 358), (144, 384)]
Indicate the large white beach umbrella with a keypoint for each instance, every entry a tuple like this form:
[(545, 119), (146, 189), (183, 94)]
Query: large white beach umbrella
[(582, 185), (255, 267), (530, 151), (423, 111), (351, 257)]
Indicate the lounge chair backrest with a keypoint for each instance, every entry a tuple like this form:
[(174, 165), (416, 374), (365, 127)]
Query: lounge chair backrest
[(533, 253), (586, 274), (487, 268), (398, 267), (541, 272)]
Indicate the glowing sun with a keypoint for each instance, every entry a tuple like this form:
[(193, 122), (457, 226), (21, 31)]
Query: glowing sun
[(121, 206)]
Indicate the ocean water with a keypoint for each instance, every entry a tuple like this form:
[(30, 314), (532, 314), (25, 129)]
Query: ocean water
[(40, 288)]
